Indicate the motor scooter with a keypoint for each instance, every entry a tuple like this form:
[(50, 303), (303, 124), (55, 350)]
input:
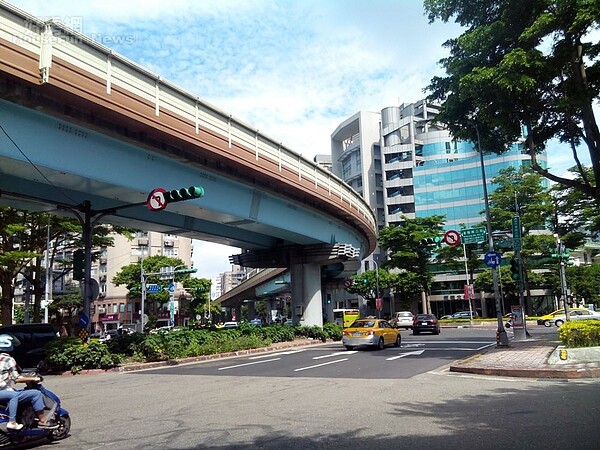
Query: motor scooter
[(28, 417)]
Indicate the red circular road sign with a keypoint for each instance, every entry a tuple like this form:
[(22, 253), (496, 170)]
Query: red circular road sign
[(452, 238), (156, 200)]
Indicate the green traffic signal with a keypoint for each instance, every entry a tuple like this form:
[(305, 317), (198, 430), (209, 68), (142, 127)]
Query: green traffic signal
[(178, 195), (186, 271), (431, 241)]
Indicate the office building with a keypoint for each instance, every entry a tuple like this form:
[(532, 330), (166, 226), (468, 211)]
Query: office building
[(406, 165)]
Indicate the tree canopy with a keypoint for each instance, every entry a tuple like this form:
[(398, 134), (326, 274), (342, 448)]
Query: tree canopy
[(527, 68)]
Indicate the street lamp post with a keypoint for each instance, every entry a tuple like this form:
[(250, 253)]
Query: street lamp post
[(502, 337)]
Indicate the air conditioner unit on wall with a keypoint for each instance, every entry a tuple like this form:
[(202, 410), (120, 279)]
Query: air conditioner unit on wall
[(101, 310)]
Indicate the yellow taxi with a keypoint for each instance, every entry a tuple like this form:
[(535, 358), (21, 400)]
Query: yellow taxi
[(371, 332)]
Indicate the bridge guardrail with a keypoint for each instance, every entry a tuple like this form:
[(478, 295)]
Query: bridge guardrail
[(49, 38)]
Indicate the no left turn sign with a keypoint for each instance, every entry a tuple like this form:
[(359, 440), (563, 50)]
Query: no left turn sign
[(452, 238), (156, 200)]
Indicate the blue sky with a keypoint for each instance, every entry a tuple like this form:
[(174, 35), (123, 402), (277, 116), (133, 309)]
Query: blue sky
[(294, 69)]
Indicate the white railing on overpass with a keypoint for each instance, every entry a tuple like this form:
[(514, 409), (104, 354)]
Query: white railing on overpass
[(51, 39)]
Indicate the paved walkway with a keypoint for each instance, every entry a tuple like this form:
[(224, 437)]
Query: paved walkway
[(527, 358)]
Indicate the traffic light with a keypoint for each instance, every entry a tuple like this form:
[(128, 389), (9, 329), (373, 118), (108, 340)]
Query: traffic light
[(514, 269), (186, 271), (431, 241), (178, 195), (329, 299), (78, 264)]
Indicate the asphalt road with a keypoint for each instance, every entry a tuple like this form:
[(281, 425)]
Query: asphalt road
[(374, 402), (332, 360)]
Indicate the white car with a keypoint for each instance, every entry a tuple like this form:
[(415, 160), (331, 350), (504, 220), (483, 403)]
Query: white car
[(576, 314), (402, 319)]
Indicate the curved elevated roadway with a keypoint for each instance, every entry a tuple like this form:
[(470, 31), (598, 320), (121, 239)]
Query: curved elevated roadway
[(83, 127)]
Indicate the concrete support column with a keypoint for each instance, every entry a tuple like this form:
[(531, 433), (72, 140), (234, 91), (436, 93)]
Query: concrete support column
[(251, 311), (306, 294), (425, 302)]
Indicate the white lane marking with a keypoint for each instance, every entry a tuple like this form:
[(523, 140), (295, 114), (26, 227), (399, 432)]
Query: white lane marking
[(268, 355), (418, 352), (449, 342), (412, 345), (347, 352), (248, 364), (319, 365)]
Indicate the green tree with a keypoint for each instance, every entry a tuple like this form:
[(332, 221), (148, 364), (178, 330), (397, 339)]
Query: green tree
[(531, 64), (577, 215), (405, 251), (23, 241), (199, 288), (584, 282), (365, 284), (131, 275), (67, 304)]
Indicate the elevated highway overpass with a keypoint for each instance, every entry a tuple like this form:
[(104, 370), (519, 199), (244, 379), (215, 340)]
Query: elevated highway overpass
[(84, 128)]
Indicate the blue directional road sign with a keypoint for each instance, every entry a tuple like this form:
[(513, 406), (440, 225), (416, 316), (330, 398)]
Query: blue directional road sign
[(153, 288), (171, 287), (492, 259)]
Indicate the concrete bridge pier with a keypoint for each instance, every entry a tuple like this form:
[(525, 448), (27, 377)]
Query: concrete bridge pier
[(306, 294)]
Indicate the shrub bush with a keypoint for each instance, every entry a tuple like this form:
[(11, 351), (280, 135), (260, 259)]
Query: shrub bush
[(580, 333), (69, 353), (333, 331)]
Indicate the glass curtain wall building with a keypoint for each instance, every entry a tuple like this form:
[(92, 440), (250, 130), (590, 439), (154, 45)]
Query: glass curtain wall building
[(406, 165)]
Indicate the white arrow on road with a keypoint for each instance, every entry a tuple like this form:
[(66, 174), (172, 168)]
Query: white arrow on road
[(347, 352), (418, 352)]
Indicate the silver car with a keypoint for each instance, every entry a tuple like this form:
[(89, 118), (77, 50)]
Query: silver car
[(574, 314)]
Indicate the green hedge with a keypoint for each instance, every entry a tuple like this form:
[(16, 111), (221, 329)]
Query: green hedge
[(71, 354), (580, 333)]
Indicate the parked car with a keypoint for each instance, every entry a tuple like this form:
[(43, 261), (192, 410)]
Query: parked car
[(230, 325), (464, 315), (426, 322), (371, 332), (256, 322), (32, 339), (402, 319), (559, 316)]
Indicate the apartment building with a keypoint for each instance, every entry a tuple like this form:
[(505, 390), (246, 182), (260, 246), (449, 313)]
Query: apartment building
[(113, 308)]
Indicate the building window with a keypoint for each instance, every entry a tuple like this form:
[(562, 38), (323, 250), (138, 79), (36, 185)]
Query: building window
[(121, 307)]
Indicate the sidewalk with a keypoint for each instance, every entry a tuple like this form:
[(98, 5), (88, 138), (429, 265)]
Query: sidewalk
[(527, 358)]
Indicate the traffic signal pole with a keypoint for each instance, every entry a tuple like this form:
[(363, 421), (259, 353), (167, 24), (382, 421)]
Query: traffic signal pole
[(501, 336)]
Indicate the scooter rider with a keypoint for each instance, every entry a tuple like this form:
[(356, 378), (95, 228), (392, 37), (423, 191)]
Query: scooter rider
[(9, 373)]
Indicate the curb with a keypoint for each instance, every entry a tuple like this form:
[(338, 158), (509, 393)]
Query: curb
[(565, 373)]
